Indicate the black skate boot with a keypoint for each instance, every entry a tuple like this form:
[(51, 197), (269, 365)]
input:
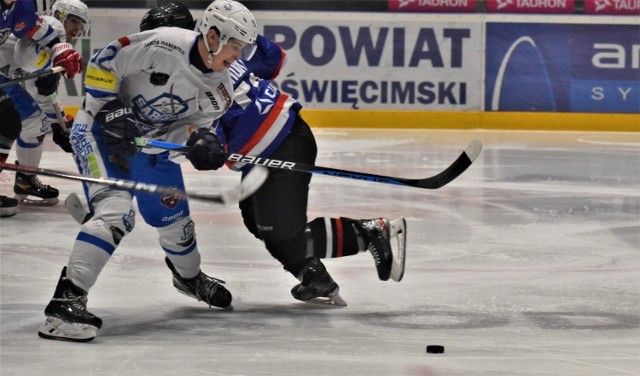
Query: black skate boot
[(30, 185), (8, 206), (316, 285), (67, 315), (378, 234), (202, 288)]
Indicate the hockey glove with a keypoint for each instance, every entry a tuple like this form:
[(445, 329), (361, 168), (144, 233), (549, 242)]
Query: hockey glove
[(47, 85), (61, 134), (207, 152), (68, 58), (118, 128)]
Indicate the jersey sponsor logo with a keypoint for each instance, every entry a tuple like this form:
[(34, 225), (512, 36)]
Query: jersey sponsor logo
[(100, 79), (213, 100), (164, 45), (222, 90), (42, 59)]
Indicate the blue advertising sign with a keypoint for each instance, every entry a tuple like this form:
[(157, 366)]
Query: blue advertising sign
[(562, 67)]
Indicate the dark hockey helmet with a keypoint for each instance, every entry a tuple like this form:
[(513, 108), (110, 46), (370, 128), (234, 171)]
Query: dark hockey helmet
[(172, 13)]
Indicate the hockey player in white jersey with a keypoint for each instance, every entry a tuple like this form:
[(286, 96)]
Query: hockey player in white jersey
[(265, 122), (36, 100), (164, 84), (18, 18)]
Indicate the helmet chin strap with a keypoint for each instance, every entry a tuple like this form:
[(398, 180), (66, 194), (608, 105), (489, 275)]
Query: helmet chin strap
[(211, 53)]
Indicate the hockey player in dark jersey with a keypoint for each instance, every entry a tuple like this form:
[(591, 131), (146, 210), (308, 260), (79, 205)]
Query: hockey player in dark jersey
[(20, 19), (265, 122)]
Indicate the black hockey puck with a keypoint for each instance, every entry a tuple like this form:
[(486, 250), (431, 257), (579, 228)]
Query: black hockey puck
[(435, 349)]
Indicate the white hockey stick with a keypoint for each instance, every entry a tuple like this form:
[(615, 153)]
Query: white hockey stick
[(244, 189)]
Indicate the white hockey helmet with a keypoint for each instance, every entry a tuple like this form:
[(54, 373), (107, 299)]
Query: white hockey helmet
[(233, 20), (74, 7)]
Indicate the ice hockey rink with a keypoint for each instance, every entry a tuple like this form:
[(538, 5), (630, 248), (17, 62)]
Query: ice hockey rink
[(527, 264)]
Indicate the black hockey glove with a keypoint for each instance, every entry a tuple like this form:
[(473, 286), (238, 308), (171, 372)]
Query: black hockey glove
[(61, 134), (207, 152), (118, 128), (48, 85)]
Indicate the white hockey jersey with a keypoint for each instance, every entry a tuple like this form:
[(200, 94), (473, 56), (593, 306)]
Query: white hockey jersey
[(153, 72), (21, 56)]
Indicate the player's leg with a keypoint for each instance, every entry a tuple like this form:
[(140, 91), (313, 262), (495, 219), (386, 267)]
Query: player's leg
[(177, 233), (98, 238), (277, 214), (9, 131), (28, 187)]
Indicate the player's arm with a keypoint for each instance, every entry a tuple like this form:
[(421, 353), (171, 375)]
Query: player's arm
[(268, 59)]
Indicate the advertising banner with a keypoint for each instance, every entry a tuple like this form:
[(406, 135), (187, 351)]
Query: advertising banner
[(457, 6), (530, 6), (562, 67), (620, 7), (379, 61)]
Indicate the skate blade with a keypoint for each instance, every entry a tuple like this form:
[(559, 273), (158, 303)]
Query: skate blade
[(335, 300), (398, 231), (55, 328), (26, 200)]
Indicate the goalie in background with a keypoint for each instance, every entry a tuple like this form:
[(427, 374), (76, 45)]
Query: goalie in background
[(265, 122), (19, 19), (167, 84)]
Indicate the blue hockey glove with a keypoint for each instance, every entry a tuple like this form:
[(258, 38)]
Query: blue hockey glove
[(207, 152)]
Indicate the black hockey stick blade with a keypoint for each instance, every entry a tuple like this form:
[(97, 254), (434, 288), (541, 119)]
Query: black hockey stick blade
[(31, 76), (246, 187), (433, 182)]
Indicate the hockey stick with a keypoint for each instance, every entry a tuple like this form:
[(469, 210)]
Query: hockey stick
[(31, 76), (247, 186), (433, 182)]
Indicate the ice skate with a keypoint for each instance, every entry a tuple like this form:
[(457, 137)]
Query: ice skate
[(27, 187), (8, 206), (202, 288), (317, 286), (67, 315), (389, 260)]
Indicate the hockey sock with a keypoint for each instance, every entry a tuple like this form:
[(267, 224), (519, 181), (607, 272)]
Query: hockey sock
[(334, 237), (28, 154)]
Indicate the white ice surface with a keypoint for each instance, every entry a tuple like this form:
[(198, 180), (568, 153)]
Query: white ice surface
[(528, 264)]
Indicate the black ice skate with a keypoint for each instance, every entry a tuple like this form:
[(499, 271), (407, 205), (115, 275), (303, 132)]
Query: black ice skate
[(389, 260), (67, 315), (202, 288), (317, 286), (27, 186), (8, 206)]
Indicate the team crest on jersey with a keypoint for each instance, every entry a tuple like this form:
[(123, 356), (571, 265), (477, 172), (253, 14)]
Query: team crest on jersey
[(4, 35), (164, 108), (222, 90)]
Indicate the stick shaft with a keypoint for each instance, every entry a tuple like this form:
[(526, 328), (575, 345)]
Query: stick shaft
[(31, 76), (433, 182)]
